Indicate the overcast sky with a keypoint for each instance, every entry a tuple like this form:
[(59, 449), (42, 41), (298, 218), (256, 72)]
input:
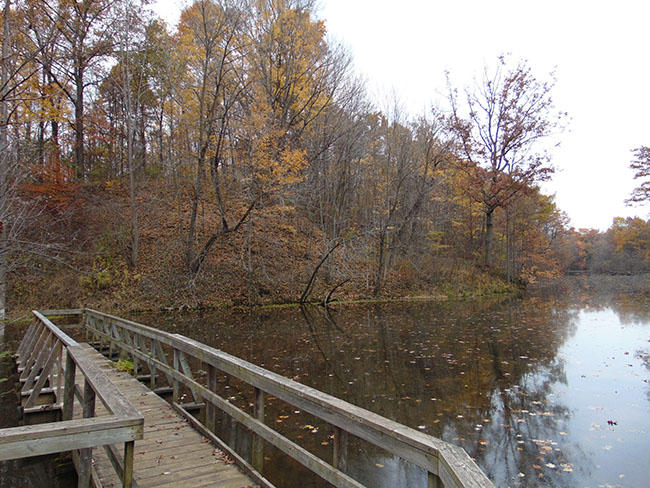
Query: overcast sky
[(597, 49)]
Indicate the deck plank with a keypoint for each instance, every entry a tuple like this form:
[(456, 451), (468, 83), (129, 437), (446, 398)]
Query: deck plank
[(171, 451)]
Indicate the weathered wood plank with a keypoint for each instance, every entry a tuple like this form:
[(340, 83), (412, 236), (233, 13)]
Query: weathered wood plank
[(36, 440), (241, 462), (165, 434)]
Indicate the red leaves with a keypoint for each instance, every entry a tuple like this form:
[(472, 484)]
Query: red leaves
[(53, 184)]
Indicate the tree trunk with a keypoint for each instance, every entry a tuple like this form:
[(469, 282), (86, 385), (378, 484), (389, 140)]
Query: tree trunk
[(4, 160), (135, 232), (79, 124), (489, 237), (381, 264)]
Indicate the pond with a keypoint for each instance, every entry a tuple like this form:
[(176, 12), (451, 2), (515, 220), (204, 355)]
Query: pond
[(549, 390)]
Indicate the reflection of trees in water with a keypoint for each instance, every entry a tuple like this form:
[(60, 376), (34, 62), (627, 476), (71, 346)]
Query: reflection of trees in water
[(465, 375), (627, 296), (444, 368)]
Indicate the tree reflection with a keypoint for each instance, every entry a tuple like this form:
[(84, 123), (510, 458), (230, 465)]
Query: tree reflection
[(481, 374)]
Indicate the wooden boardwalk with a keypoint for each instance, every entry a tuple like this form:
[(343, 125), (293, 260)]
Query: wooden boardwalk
[(171, 453), (159, 447)]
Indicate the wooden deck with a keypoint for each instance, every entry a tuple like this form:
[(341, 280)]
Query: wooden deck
[(171, 453)]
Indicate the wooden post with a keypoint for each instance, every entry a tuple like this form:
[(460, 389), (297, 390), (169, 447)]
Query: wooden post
[(340, 458), (27, 340), (136, 346), (59, 375), (35, 353), (257, 456), (85, 455), (152, 366), (68, 387), (84, 324), (177, 367), (110, 342), (210, 410), (129, 448), (433, 481)]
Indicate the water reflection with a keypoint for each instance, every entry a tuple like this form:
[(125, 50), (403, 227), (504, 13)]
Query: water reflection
[(525, 386)]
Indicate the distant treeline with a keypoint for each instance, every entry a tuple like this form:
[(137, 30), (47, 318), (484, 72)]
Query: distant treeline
[(623, 249)]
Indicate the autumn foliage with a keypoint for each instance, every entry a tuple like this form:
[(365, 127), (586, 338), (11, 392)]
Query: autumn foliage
[(239, 155), (53, 185)]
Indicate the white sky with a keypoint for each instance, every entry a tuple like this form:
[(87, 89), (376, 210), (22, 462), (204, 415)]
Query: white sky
[(597, 48)]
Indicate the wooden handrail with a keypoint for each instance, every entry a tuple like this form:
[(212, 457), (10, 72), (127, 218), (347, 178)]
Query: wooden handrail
[(446, 464), (41, 357)]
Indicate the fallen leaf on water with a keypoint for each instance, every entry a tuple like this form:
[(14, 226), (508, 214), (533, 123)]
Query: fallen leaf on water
[(379, 465)]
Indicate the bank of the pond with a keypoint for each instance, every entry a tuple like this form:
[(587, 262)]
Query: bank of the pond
[(132, 297), (279, 256)]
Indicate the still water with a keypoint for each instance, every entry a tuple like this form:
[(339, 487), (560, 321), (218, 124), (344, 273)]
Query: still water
[(549, 390)]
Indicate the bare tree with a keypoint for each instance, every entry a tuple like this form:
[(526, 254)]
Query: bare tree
[(15, 71), (641, 167), (499, 123), (85, 40)]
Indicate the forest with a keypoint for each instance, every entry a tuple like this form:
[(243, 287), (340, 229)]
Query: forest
[(237, 158)]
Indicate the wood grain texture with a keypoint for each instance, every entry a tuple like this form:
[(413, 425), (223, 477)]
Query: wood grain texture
[(171, 453)]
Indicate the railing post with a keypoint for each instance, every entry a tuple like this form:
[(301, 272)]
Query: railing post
[(82, 323), (152, 366), (340, 457), (36, 352), (27, 340), (68, 386), (129, 448), (210, 409), (85, 455), (177, 367), (134, 357), (109, 332), (257, 456), (434, 481)]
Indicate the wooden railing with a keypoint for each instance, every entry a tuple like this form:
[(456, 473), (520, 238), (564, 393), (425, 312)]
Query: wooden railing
[(48, 361), (173, 354)]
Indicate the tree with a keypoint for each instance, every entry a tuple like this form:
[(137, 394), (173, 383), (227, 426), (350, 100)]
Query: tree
[(503, 118), (641, 167), (402, 168), (211, 41), (85, 39), (130, 74), (20, 233)]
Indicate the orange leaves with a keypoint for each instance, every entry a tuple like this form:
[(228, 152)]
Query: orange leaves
[(53, 183)]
